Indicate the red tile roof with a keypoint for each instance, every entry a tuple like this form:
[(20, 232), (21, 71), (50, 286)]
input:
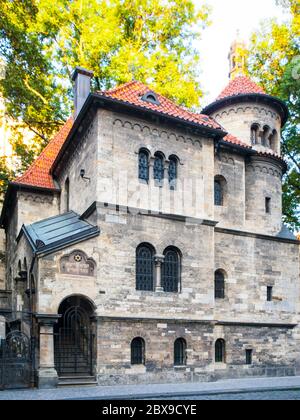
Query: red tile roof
[(38, 175), (239, 86), (132, 93), (234, 140)]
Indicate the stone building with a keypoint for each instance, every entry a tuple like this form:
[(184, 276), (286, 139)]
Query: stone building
[(146, 243)]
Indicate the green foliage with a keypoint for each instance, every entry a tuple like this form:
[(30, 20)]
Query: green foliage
[(274, 60), (42, 41)]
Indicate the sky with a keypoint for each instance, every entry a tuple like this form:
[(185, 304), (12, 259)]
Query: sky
[(228, 17)]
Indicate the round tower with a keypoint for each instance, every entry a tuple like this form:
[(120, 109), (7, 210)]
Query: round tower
[(256, 119), (245, 110)]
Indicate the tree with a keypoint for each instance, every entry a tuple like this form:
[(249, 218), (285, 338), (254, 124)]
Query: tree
[(274, 60), (42, 41)]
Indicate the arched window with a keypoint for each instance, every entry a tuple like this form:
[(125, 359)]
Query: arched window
[(265, 135), (171, 270), (138, 351), (220, 351), (173, 162), (273, 139), (143, 165), (254, 133), (180, 352), (144, 267), (158, 169), (219, 285), (67, 195), (219, 190)]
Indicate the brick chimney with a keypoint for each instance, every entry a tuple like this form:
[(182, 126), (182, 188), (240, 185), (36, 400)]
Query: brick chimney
[(82, 87)]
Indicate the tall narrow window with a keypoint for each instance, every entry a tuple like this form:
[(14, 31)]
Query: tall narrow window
[(273, 140), (138, 351), (249, 357), (144, 267), (172, 171), (67, 195), (265, 135), (269, 293), (268, 205), (220, 349), (254, 133), (144, 165), (180, 352), (219, 190), (171, 270), (158, 169), (219, 285)]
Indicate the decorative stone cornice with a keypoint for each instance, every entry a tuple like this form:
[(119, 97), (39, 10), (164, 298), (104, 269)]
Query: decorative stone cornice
[(47, 319)]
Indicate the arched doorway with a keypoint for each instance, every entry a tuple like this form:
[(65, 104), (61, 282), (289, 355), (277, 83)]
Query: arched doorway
[(74, 338)]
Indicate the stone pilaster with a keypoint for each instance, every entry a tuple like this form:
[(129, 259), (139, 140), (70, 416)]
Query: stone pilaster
[(47, 374), (2, 328), (158, 260)]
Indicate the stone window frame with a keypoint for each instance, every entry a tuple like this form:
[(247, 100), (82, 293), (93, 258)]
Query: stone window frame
[(249, 356), (222, 181), (159, 156), (141, 360), (173, 182), (255, 130), (153, 253), (144, 150), (152, 152), (183, 350), (268, 205), (220, 351), (179, 267), (224, 274)]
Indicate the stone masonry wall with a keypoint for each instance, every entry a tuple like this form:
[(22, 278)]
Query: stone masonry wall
[(272, 349), (238, 119), (120, 140), (263, 180), (114, 289), (82, 192), (232, 168), (250, 265)]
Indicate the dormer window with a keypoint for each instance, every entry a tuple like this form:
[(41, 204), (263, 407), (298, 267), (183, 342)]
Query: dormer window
[(151, 97)]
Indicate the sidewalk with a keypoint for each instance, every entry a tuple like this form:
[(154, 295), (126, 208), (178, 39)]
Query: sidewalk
[(156, 391)]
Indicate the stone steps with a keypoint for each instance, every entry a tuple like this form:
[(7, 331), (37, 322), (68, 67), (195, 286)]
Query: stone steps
[(71, 381)]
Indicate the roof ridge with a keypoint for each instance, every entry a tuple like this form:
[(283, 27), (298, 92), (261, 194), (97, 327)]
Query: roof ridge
[(120, 87)]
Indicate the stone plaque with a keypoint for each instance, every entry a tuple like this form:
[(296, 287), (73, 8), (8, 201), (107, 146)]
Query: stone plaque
[(77, 264)]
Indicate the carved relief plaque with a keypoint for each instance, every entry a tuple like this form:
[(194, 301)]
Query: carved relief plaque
[(77, 264)]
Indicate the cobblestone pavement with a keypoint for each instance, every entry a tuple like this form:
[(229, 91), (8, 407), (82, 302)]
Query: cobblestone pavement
[(159, 391)]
